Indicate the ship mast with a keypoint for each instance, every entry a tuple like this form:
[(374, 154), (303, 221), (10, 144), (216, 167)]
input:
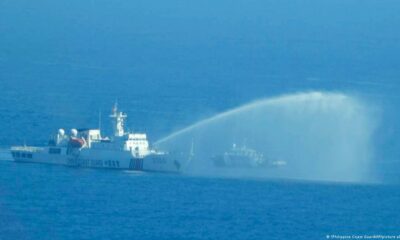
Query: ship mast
[(118, 119)]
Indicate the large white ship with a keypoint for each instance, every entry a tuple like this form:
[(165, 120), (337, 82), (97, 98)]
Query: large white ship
[(87, 148)]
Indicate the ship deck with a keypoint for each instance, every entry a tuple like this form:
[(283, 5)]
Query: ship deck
[(26, 149)]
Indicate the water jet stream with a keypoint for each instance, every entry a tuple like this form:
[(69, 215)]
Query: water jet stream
[(321, 136)]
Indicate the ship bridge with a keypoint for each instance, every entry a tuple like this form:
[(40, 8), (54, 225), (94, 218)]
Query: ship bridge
[(137, 143)]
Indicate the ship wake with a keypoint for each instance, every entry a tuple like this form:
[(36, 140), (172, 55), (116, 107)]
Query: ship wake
[(318, 135)]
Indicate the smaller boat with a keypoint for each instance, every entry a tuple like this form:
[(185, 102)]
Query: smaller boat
[(239, 157), (244, 157)]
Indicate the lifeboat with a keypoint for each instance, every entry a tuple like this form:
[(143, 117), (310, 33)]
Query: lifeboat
[(76, 142)]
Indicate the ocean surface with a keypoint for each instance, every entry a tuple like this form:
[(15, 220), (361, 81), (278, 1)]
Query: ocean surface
[(55, 202), (170, 64)]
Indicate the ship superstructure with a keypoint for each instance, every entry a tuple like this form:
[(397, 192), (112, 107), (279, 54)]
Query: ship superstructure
[(239, 157), (244, 157), (88, 148)]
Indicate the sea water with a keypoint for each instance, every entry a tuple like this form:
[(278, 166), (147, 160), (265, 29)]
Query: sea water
[(172, 64)]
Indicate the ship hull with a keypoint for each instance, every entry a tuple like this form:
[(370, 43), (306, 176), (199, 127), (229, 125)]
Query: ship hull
[(88, 158), (124, 160), (236, 162), (45, 155)]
